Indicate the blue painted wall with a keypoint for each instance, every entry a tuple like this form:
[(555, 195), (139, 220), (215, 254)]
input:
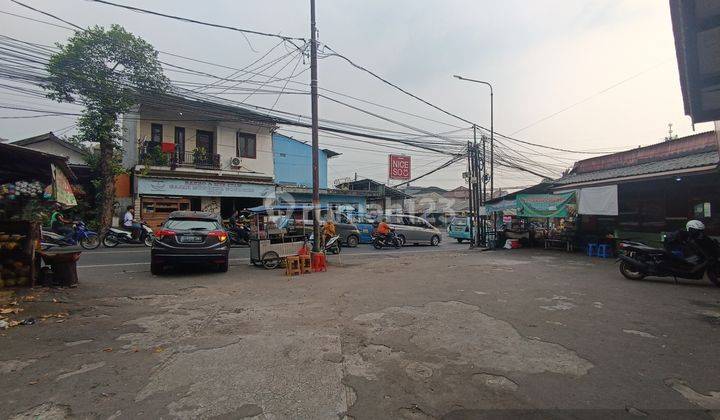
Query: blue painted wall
[(293, 162)]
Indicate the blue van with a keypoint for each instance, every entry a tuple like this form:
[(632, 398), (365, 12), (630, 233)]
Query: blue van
[(365, 224), (459, 228)]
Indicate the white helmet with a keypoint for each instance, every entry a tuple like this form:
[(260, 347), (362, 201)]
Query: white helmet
[(695, 225)]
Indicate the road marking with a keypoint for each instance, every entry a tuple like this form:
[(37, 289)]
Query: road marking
[(356, 254)]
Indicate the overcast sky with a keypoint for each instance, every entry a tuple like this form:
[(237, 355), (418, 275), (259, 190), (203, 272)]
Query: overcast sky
[(615, 58)]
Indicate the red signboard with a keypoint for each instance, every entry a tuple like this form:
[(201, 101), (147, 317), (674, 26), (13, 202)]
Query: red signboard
[(399, 167)]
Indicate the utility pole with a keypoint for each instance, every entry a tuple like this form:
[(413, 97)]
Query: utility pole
[(470, 195), (478, 188), (315, 139)]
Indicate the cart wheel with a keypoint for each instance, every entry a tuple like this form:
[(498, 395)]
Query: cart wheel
[(270, 260)]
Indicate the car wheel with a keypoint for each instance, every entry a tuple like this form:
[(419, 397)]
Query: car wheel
[(90, 242), (352, 241), (110, 241), (155, 267), (435, 240), (401, 238), (459, 240), (223, 267), (270, 260)]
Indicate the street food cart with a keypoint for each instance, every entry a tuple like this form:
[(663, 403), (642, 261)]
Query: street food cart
[(30, 183), (272, 236)]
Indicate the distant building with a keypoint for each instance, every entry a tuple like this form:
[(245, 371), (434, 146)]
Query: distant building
[(292, 161), (50, 143), (379, 196)]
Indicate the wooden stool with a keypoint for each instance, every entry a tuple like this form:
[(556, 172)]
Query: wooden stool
[(292, 265), (305, 264)]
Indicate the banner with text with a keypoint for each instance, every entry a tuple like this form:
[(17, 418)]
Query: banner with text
[(399, 167), (546, 205)]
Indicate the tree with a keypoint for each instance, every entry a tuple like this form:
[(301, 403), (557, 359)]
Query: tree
[(106, 71)]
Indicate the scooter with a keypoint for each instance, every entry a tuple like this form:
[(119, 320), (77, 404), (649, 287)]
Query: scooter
[(115, 236), (332, 245), (638, 261), (390, 240), (81, 236)]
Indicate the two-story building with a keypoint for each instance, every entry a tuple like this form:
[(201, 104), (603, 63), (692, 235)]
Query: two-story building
[(293, 176), (197, 155)]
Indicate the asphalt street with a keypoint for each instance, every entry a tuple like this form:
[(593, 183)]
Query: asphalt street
[(416, 333), (139, 255)]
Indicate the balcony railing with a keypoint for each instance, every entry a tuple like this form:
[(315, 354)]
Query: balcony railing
[(195, 158)]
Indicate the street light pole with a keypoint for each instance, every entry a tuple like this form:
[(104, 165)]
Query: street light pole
[(492, 135), (315, 139)]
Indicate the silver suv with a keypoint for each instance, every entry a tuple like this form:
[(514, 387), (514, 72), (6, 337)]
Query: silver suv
[(412, 229)]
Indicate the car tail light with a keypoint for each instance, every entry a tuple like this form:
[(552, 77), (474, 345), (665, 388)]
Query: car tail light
[(164, 233), (221, 235)]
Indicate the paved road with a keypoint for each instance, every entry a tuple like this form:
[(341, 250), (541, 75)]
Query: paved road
[(138, 255)]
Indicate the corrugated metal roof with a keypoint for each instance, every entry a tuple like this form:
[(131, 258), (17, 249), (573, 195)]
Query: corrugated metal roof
[(679, 163)]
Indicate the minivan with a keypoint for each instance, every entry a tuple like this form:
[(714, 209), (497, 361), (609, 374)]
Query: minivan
[(412, 229)]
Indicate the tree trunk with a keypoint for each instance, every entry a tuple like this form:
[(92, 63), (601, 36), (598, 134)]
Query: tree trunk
[(107, 184)]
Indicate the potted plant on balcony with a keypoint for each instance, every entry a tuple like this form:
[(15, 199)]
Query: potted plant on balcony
[(200, 157)]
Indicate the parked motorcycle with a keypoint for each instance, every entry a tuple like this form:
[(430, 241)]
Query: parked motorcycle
[(115, 236), (638, 260), (81, 236), (332, 245), (389, 240)]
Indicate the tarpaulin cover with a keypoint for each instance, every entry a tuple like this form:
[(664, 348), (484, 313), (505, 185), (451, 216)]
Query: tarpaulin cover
[(546, 205), (600, 201), (501, 206)]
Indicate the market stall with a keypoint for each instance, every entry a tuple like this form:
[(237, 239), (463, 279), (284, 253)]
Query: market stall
[(30, 183)]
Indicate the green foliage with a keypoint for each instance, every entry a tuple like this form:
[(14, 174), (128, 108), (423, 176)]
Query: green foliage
[(104, 70)]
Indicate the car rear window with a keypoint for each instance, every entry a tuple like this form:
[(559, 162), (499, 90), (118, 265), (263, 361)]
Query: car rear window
[(191, 224), (459, 222)]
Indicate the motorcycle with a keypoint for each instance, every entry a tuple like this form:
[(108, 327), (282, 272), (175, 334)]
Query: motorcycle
[(332, 245), (81, 236), (389, 240), (237, 239), (115, 236), (638, 260)]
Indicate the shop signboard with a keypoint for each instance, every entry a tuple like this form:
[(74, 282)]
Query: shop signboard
[(62, 190), (203, 188), (399, 167), (546, 205)]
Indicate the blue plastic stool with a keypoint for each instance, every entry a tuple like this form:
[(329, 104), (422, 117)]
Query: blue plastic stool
[(591, 249), (604, 251)]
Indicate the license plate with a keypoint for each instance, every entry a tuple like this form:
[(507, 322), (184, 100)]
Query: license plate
[(191, 239)]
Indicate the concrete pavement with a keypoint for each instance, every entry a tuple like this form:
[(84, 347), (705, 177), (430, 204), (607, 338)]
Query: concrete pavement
[(455, 334)]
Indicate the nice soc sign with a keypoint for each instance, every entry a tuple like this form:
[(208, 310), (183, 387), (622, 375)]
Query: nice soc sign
[(399, 167)]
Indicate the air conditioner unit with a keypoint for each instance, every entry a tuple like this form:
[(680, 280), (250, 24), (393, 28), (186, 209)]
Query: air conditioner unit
[(236, 162)]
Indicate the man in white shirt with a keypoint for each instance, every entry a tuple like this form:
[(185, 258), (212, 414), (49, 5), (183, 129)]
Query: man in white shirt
[(129, 222)]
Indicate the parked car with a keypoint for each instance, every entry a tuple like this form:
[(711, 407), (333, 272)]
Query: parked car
[(190, 237), (413, 230), (459, 228)]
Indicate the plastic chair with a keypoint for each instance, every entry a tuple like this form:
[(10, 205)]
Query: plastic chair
[(604, 251), (592, 250), (319, 263)]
